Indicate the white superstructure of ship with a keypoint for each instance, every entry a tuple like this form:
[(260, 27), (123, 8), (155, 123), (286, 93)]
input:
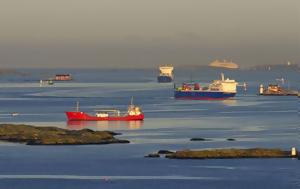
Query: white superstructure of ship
[(166, 70), (217, 90), (166, 74), (224, 85)]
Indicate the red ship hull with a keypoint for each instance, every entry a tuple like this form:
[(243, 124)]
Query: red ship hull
[(81, 116)]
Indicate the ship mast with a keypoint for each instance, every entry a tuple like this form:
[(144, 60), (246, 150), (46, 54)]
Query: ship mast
[(77, 106), (131, 102), (222, 77)]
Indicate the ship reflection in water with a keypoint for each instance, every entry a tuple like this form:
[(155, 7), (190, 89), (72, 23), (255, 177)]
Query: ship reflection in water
[(230, 102), (105, 125)]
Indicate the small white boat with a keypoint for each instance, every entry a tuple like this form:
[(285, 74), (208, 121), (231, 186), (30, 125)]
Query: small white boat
[(14, 114), (46, 82)]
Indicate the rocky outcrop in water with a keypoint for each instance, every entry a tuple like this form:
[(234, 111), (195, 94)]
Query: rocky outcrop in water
[(165, 152), (152, 155), (230, 154), (32, 135), (200, 139)]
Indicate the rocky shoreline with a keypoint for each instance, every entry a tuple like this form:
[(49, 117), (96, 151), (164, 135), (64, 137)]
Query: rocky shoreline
[(225, 154), (32, 135), (230, 154)]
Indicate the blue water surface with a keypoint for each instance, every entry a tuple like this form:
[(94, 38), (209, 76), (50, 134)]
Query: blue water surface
[(253, 121)]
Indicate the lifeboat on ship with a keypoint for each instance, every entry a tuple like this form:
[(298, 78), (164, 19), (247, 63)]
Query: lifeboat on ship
[(133, 113)]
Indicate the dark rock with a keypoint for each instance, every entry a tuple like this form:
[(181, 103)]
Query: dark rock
[(123, 141), (114, 133), (200, 139), (230, 139), (165, 152), (154, 155)]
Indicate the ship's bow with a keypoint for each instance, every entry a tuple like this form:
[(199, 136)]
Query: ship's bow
[(76, 116)]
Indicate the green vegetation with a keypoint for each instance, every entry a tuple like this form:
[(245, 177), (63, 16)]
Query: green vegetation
[(32, 135)]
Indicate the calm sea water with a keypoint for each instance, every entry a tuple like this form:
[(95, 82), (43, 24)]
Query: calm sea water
[(252, 120)]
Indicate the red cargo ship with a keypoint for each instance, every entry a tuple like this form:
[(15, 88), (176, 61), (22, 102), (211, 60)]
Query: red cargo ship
[(133, 113), (63, 77)]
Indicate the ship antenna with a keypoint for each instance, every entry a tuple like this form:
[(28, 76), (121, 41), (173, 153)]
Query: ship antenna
[(191, 78), (222, 76), (245, 87), (77, 106), (131, 103)]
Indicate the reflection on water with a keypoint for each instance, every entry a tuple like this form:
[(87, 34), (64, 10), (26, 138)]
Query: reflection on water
[(105, 125), (230, 102), (253, 121)]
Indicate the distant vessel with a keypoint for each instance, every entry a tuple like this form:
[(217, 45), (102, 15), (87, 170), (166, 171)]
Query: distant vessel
[(276, 90), (224, 64), (285, 66), (133, 113), (166, 74), (63, 77), (14, 114), (46, 82), (217, 90)]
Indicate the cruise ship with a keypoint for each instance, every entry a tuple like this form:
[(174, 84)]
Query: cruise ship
[(217, 90), (224, 64), (166, 74)]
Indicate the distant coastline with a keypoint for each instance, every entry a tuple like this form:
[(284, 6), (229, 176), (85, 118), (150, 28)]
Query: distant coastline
[(262, 67), (4, 71), (269, 67)]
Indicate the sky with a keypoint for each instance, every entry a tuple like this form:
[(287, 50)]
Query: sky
[(147, 33)]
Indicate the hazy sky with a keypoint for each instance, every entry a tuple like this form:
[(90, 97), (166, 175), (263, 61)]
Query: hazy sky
[(146, 33)]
